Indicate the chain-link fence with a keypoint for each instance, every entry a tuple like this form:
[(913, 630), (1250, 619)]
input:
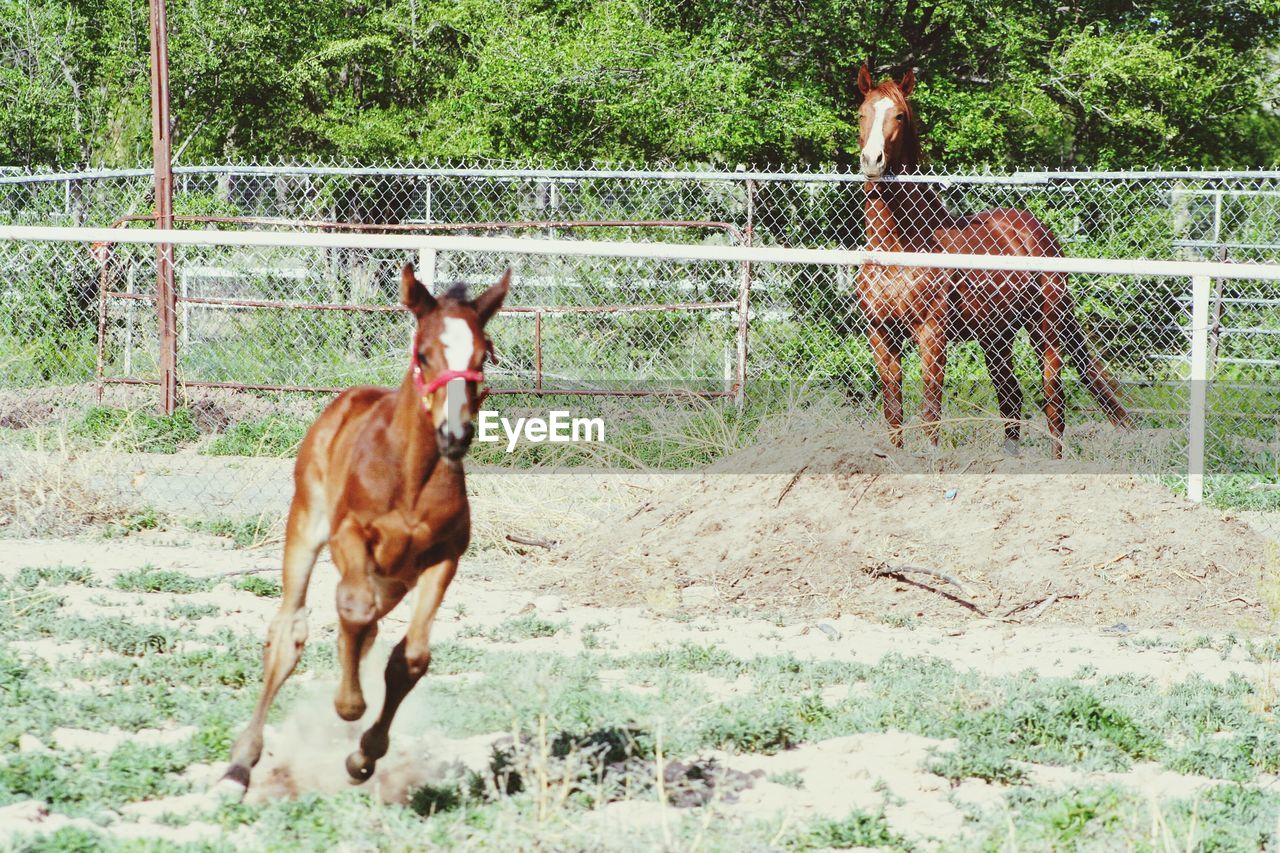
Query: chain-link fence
[(252, 320)]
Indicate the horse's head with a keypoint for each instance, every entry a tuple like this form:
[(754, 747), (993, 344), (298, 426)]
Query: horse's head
[(449, 349), (886, 126)]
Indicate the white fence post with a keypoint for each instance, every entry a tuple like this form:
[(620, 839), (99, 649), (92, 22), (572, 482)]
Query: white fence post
[(1199, 385), (427, 269)]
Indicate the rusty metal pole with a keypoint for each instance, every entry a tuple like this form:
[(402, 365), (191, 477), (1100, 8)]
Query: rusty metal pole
[(166, 307)]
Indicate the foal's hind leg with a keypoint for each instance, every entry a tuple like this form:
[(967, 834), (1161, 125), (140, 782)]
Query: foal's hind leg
[(998, 352), (304, 537), (408, 663)]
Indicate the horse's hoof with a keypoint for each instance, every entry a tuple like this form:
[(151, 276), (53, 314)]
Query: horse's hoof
[(359, 768), (230, 789)]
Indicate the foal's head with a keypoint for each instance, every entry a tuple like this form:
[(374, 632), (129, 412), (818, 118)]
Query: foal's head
[(449, 349), (886, 126)]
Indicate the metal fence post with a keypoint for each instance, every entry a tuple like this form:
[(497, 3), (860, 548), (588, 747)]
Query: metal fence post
[(427, 269), (1200, 287), (744, 299), (166, 302)]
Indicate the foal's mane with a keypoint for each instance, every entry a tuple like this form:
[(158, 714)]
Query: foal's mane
[(457, 292)]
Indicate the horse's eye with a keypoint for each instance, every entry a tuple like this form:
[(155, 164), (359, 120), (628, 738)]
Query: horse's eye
[(902, 116)]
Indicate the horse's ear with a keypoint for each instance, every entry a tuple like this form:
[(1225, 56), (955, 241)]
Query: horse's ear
[(488, 303), (864, 79), (414, 294), (908, 84)]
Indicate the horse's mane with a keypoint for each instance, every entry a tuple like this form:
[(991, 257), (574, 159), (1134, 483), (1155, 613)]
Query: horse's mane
[(457, 291)]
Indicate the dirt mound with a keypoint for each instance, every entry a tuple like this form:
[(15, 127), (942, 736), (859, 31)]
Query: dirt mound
[(848, 524)]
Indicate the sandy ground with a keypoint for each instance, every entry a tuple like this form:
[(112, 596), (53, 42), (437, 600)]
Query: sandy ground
[(842, 524), (305, 751)]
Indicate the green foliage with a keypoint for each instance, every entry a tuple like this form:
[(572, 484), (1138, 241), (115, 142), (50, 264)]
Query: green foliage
[(245, 532), (30, 577), (979, 758), (527, 627), (856, 830), (259, 586), (185, 612), (150, 579), (1010, 83), (277, 435), (147, 519), (135, 430)]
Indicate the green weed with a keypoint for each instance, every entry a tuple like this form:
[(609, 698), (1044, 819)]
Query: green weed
[(151, 579)]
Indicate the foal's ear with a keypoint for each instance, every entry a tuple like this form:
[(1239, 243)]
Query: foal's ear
[(414, 294), (865, 83), (488, 303), (908, 84)]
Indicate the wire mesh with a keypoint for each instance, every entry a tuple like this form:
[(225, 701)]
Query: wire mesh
[(322, 319)]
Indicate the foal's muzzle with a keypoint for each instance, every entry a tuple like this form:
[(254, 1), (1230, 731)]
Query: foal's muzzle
[(455, 446)]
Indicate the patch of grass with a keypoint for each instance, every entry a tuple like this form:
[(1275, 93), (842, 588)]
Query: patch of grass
[(129, 773), (275, 435), (191, 612), (856, 830), (151, 579), (752, 725), (249, 532), (148, 519), (136, 431), (790, 779), (30, 577), (527, 627), (980, 758), (259, 586), (1224, 817)]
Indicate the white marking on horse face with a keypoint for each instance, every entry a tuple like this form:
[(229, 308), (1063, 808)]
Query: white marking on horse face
[(875, 140), (459, 346)]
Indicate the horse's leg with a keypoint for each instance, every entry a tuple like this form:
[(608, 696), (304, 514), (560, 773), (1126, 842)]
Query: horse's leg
[(408, 663), (888, 355), (1050, 354), (931, 337), (304, 537), (998, 352), (357, 614)]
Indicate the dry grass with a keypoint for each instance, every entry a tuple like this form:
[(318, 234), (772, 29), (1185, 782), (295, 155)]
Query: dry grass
[(45, 495)]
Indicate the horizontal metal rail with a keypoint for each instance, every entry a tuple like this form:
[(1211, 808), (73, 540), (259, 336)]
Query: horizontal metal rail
[(653, 251)]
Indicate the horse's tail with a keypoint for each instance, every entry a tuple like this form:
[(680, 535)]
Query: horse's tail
[(1096, 378)]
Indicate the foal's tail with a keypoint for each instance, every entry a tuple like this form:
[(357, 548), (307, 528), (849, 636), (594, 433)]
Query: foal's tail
[(1099, 382)]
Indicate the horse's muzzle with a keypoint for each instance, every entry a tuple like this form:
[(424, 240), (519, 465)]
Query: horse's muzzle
[(455, 446)]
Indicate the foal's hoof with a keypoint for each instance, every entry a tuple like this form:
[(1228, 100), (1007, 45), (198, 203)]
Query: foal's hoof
[(359, 768), (232, 786)]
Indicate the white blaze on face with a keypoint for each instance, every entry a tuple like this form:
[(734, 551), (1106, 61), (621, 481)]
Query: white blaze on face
[(459, 345), (875, 139)]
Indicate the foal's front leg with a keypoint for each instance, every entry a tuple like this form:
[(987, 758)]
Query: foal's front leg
[(931, 337), (408, 663), (888, 355), (358, 612)]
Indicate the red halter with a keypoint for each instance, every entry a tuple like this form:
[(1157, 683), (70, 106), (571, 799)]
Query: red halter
[(426, 389)]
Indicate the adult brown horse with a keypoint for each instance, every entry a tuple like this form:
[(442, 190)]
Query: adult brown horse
[(379, 478), (936, 307)]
